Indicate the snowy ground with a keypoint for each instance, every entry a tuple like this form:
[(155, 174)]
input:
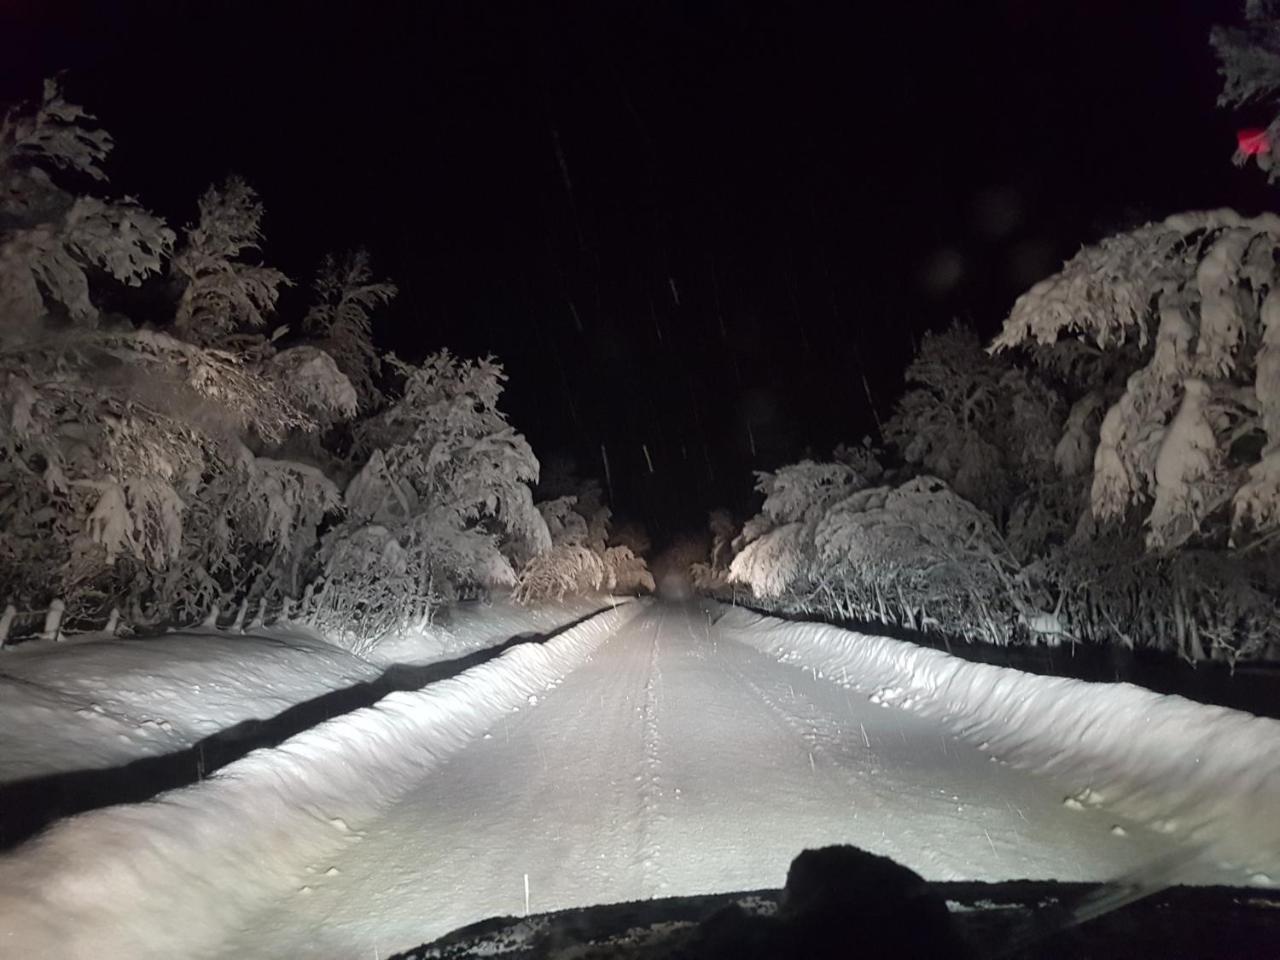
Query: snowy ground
[(647, 752), (680, 761), (96, 702)]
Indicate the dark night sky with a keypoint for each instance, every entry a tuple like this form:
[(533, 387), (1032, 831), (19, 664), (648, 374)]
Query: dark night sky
[(817, 184)]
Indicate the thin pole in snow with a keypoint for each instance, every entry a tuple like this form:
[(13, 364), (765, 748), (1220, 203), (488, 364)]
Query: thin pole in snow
[(526, 894)]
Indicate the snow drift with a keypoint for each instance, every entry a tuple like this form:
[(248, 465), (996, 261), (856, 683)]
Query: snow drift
[(170, 877), (1208, 774)]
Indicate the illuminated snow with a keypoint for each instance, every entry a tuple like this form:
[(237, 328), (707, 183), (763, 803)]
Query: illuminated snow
[(647, 752)]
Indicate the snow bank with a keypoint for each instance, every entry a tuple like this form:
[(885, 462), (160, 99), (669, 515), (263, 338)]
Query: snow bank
[(98, 702), (1208, 774), (475, 626), (169, 877)]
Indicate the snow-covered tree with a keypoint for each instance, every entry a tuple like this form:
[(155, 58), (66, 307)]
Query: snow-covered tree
[(916, 554), (342, 318), (774, 551), (50, 239), (117, 440), (223, 291), (774, 565), (921, 555), (565, 525), (1249, 62), (1193, 439), (627, 573), (444, 491), (986, 427)]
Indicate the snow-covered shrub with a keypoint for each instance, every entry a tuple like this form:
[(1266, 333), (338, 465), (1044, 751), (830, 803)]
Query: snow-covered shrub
[(627, 572), (921, 555), (1195, 603), (774, 550), (578, 520), (562, 571), (774, 565), (1190, 441), (917, 554)]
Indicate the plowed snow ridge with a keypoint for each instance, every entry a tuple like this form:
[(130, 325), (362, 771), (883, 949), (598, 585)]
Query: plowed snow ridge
[(1208, 775)]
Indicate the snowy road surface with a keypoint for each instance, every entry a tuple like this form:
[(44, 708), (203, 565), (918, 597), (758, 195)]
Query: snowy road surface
[(678, 760)]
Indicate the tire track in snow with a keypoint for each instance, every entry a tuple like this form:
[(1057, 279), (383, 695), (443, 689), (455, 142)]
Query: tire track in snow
[(844, 756), (649, 849)]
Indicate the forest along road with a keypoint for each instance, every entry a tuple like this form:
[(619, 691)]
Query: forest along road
[(679, 761)]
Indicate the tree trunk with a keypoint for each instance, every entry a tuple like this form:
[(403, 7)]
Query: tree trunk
[(53, 621), (6, 623)]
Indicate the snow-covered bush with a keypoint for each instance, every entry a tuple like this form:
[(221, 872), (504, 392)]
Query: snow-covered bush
[(920, 555), (627, 573), (775, 564), (578, 523), (774, 550), (916, 554), (565, 570)]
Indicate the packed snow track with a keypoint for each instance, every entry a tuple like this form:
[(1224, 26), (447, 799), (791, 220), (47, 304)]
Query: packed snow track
[(677, 760)]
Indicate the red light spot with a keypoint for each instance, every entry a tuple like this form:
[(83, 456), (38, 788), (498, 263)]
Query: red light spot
[(1253, 141)]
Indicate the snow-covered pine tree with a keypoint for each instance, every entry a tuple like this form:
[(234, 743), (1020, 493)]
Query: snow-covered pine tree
[(224, 292), (342, 318), (49, 238), (1194, 439)]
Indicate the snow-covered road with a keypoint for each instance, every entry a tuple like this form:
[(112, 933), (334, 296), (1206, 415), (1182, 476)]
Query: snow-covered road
[(678, 760)]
